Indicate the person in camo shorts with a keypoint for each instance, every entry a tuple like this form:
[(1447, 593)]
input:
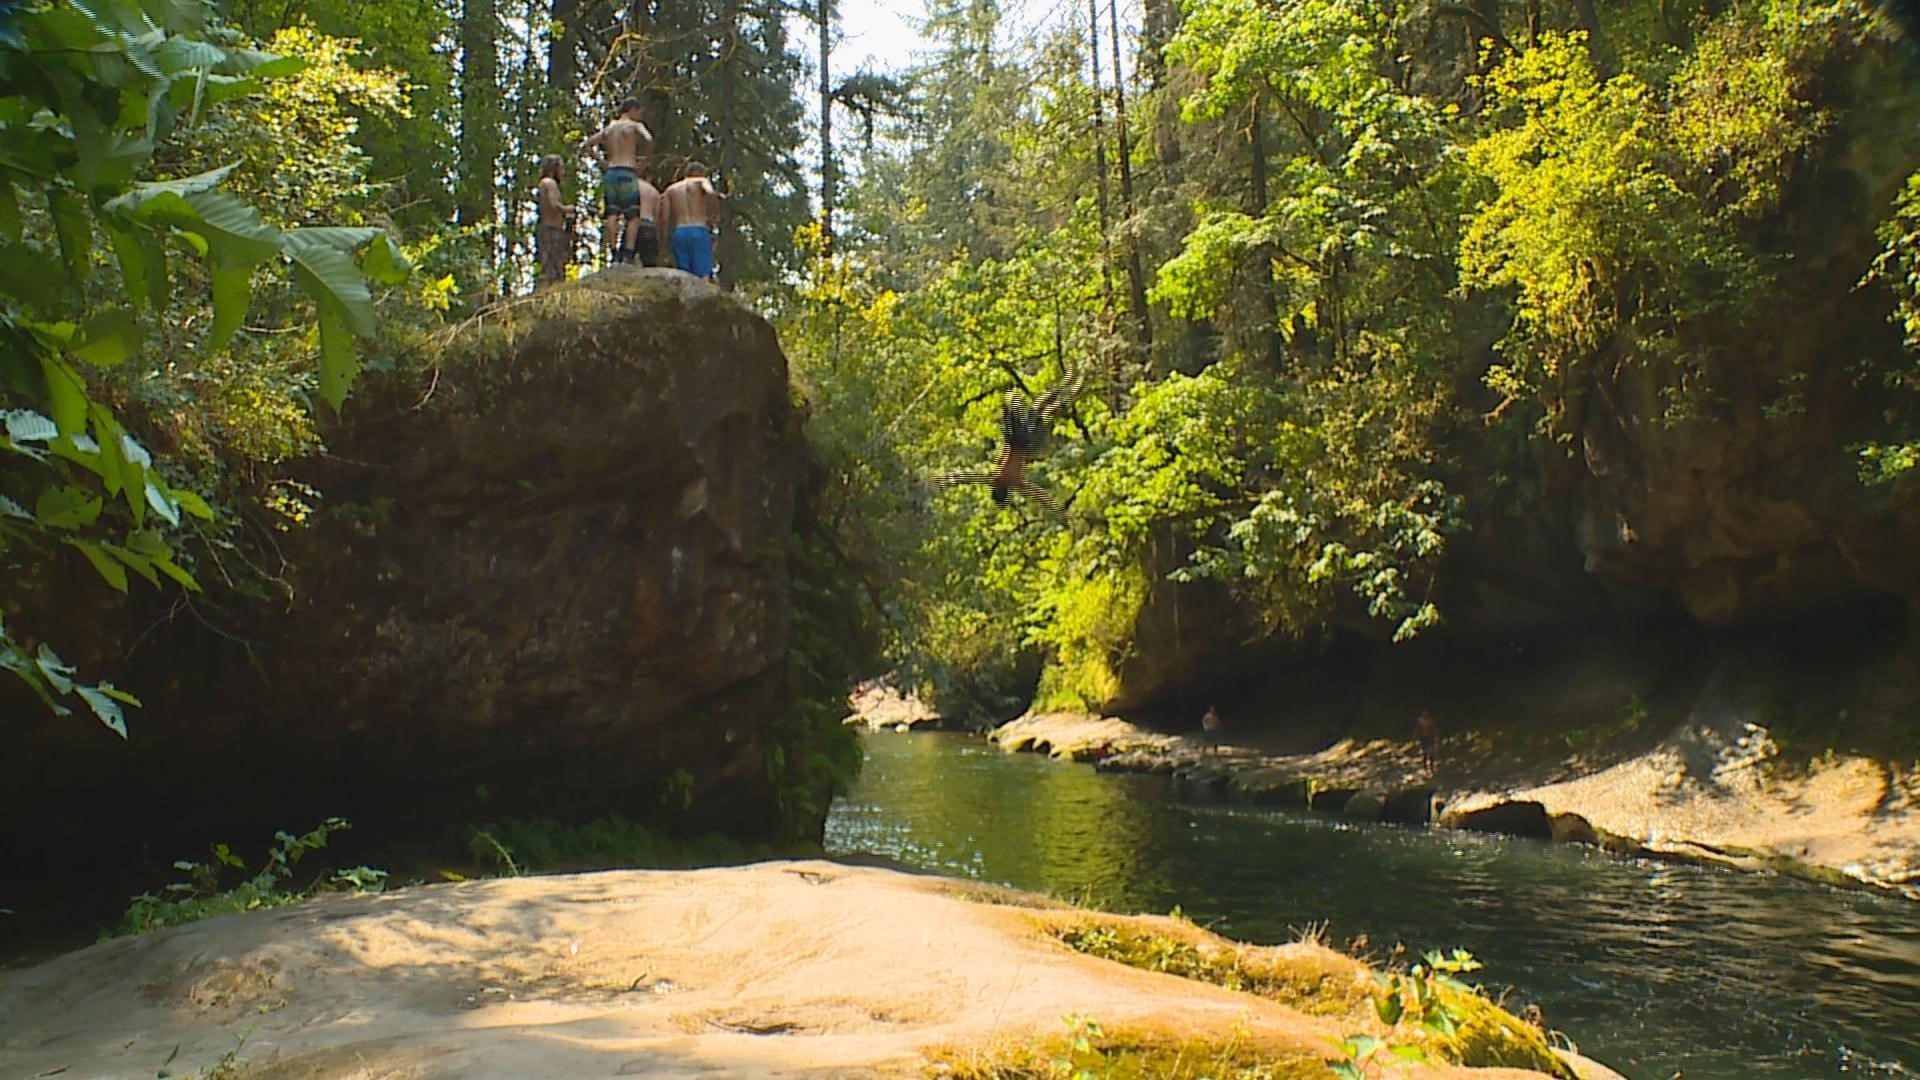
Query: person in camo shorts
[(626, 147)]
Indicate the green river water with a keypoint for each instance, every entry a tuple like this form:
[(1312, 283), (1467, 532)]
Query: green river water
[(1655, 969)]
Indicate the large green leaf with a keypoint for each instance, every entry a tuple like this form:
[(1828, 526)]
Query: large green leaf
[(143, 265), (237, 237), (128, 27), (338, 363), (59, 29), (327, 275), (109, 338), (161, 501), (104, 707), (384, 262), (110, 569), (72, 224), (193, 504), (201, 90), (110, 161), (28, 276), (66, 394), (232, 294), (134, 561), (65, 507), (341, 238), (57, 672), (116, 473), (139, 195), (179, 16), (148, 543), (14, 660), (181, 54), (25, 425), (261, 65)]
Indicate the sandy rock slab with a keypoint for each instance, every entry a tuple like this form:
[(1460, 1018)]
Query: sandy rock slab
[(880, 705), (778, 969)]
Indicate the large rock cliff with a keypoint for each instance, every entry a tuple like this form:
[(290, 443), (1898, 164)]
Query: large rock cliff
[(551, 573)]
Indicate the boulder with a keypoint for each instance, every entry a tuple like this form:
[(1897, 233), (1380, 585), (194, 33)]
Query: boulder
[(1366, 806), (1411, 806), (1520, 817), (550, 575)]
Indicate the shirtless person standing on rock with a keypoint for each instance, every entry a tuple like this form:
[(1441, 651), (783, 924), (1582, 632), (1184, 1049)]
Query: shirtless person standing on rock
[(626, 146), (693, 214)]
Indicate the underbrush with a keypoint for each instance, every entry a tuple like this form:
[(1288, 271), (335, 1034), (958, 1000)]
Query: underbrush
[(515, 846), (200, 895)]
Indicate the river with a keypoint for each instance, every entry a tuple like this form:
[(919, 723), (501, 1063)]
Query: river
[(1653, 968)]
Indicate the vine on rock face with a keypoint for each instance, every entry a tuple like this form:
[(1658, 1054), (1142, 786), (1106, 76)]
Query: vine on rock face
[(88, 95), (1898, 266)]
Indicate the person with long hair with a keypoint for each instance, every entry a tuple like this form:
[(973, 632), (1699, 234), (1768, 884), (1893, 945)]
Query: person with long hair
[(553, 233)]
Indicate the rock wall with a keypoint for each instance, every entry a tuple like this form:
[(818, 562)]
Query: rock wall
[(550, 575)]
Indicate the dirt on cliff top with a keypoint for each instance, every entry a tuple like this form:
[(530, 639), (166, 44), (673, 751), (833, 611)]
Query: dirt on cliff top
[(777, 969)]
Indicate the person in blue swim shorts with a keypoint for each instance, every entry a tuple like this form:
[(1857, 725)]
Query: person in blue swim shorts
[(692, 210)]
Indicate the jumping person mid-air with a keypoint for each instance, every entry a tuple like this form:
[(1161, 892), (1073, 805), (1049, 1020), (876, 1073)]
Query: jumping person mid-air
[(1023, 432), (627, 147)]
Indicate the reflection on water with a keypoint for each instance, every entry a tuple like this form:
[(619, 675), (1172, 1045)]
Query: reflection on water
[(1653, 968)]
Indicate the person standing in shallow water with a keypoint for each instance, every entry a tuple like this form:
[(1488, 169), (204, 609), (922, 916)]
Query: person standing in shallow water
[(1427, 730), (553, 234), (1210, 729), (692, 217)]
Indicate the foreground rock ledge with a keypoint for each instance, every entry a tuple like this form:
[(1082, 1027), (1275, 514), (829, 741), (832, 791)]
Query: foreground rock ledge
[(778, 969)]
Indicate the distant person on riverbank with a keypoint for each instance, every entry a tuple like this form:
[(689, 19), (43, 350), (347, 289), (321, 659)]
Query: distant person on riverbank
[(1210, 729), (626, 146), (1427, 730), (692, 219)]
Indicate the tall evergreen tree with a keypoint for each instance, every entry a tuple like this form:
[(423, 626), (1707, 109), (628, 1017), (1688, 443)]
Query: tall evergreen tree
[(481, 117)]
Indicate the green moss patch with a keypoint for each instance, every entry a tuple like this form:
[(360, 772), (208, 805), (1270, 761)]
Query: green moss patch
[(1316, 981), (1486, 1036), (1306, 978), (1131, 1054)]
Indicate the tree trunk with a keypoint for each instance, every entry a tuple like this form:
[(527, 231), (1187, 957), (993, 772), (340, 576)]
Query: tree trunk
[(563, 48), (826, 126), (1588, 17), (1269, 335), (1136, 277), (1100, 161), (480, 135), (728, 122)]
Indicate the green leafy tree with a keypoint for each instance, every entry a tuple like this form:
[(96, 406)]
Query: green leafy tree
[(87, 95)]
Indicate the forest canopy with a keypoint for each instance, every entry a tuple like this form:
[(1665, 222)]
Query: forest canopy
[(1345, 278)]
